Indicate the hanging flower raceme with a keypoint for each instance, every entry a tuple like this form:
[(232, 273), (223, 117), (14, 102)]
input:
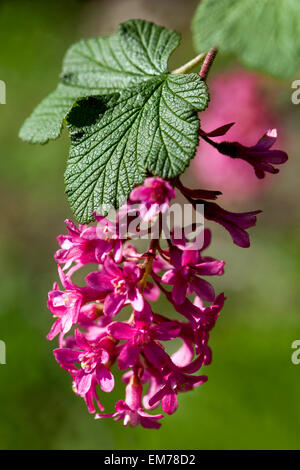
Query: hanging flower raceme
[(122, 279)]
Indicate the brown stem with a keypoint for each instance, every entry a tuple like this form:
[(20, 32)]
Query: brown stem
[(209, 141), (148, 263), (208, 61)]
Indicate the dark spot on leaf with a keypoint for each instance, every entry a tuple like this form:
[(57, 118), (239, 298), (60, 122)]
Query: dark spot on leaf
[(66, 77), (86, 111)]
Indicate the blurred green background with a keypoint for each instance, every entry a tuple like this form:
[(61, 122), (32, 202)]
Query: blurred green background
[(251, 400)]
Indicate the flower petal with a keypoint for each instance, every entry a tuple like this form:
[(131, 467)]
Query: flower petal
[(166, 331), (136, 299), (203, 288), (179, 292), (113, 304), (83, 382), (66, 356), (105, 379), (120, 330), (169, 403), (155, 354), (129, 355)]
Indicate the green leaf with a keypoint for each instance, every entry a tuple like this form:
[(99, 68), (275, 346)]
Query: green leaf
[(263, 34), (153, 126), (127, 115), (99, 66)]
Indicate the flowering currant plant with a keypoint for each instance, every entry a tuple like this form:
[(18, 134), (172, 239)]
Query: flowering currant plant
[(134, 128)]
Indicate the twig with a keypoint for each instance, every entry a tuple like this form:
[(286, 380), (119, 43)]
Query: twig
[(208, 61)]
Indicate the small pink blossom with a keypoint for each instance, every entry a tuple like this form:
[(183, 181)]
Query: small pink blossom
[(235, 223), (143, 337), (154, 197), (184, 276), (236, 96), (94, 362), (85, 244), (64, 305), (122, 286), (178, 380), (131, 412), (259, 156)]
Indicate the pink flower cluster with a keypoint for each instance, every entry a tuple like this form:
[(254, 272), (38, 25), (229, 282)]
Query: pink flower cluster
[(92, 339)]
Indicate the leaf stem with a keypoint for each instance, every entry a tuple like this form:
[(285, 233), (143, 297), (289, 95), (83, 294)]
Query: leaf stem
[(191, 64)]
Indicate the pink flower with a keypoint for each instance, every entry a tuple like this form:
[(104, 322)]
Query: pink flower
[(259, 156), (109, 233), (75, 246), (85, 245), (209, 314), (178, 380), (154, 197), (89, 313), (94, 362), (64, 305), (143, 338), (237, 96), (130, 410), (123, 284), (67, 305), (196, 335), (188, 266), (235, 223)]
